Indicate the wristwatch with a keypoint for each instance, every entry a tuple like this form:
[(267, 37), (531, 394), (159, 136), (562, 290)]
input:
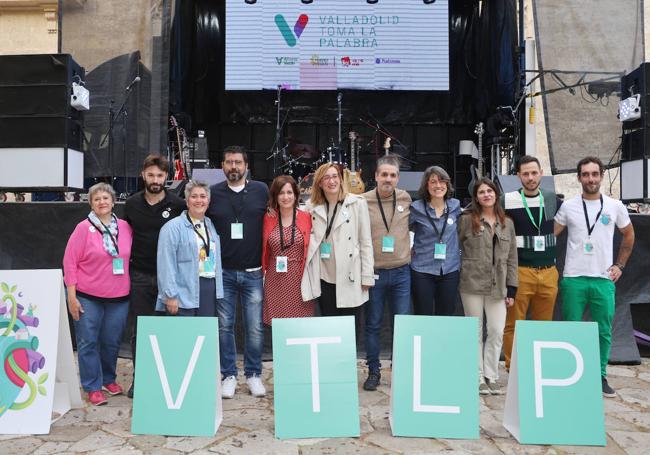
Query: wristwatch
[(620, 266)]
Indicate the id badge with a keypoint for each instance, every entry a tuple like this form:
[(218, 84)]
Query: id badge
[(281, 264), (236, 231), (588, 247), (118, 266), (388, 244), (209, 262), (539, 243), (440, 251), (325, 250)]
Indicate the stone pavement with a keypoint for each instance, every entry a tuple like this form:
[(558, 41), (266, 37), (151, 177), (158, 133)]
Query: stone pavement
[(247, 427)]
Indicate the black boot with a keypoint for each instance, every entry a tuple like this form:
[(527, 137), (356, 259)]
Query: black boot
[(373, 380)]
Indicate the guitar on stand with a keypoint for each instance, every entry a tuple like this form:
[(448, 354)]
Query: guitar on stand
[(352, 177), (477, 173), (180, 150)]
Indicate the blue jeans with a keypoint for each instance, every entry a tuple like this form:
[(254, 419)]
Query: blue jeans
[(99, 334), (435, 295), (248, 288), (393, 285)]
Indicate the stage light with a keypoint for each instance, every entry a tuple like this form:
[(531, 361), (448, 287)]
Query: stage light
[(629, 109)]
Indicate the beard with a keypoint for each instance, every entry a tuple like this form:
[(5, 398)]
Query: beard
[(153, 188), (531, 186), (587, 188), (234, 176)]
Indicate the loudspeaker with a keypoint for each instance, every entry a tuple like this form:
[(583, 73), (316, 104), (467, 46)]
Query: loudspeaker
[(636, 133), (41, 140), (635, 180), (35, 101)]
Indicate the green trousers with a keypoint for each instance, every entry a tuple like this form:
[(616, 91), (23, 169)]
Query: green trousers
[(599, 294)]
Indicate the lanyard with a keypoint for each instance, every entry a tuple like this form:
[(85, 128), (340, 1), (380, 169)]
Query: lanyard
[(243, 199), (444, 224), (107, 231), (541, 210), (293, 231), (330, 223), (590, 229), (381, 209), (206, 242)]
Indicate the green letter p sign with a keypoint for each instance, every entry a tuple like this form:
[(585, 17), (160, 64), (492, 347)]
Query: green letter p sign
[(177, 386), (554, 390)]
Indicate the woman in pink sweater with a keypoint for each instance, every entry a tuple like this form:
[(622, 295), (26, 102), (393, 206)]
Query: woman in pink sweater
[(96, 273)]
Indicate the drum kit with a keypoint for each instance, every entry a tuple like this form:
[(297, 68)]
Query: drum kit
[(301, 160)]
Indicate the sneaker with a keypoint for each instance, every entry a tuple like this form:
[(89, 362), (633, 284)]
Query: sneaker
[(494, 387), (373, 380), (483, 389), (607, 390), (255, 386), (113, 389), (129, 393), (228, 386), (96, 398)]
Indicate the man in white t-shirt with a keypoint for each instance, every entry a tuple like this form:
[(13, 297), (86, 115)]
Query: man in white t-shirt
[(589, 269)]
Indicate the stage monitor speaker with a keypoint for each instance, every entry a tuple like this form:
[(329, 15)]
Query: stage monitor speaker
[(635, 180)]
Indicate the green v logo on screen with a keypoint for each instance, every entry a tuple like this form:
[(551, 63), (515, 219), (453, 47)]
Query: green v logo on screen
[(291, 36)]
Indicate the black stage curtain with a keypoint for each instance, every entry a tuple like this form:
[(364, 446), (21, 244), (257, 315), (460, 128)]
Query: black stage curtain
[(483, 74)]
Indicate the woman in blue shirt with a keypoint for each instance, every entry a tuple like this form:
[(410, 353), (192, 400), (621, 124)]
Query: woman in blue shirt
[(435, 264), (189, 259)]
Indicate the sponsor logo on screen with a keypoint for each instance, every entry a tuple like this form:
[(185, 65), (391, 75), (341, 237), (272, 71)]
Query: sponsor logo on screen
[(286, 60), (349, 61), (291, 36), (317, 60), (387, 61)]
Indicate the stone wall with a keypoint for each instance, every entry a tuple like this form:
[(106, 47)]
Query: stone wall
[(28, 27)]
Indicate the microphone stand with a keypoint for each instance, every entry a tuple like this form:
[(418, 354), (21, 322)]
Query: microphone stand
[(278, 103), (113, 117)]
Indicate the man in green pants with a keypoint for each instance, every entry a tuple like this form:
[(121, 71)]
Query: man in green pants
[(590, 273)]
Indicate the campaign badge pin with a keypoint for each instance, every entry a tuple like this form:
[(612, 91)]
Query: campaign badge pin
[(165, 214)]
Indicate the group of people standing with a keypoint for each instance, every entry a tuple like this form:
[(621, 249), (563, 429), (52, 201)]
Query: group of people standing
[(240, 241)]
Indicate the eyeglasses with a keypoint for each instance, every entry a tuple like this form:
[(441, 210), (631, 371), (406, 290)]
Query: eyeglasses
[(327, 178), (234, 163)]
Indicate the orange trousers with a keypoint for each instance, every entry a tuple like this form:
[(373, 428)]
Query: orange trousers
[(535, 298)]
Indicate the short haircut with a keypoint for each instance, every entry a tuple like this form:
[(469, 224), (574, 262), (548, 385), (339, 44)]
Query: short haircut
[(392, 160), (192, 184), (317, 195), (527, 159), (100, 187), (159, 161), (423, 192), (278, 183), (235, 149), (591, 159)]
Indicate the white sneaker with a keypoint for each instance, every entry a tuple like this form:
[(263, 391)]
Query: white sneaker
[(256, 386), (228, 387)]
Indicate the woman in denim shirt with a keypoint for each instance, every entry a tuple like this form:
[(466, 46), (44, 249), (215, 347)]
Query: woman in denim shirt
[(435, 263), (189, 259)]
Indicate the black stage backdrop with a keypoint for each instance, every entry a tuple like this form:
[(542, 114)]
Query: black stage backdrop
[(483, 74), (35, 235)]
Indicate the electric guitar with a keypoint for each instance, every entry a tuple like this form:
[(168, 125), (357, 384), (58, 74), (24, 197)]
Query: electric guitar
[(179, 146), (477, 173), (352, 177)]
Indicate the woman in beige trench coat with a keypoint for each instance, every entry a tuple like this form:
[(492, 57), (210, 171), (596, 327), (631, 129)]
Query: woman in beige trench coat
[(339, 268)]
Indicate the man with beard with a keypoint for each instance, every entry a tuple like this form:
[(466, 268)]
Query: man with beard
[(147, 212), (237, 208), (590, 273), (388, 208), (532, 210)]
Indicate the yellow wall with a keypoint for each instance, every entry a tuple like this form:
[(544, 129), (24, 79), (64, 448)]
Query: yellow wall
[(28, 27)]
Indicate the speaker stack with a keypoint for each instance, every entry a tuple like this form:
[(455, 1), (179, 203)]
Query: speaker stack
[(41, 134), (635, 158)]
